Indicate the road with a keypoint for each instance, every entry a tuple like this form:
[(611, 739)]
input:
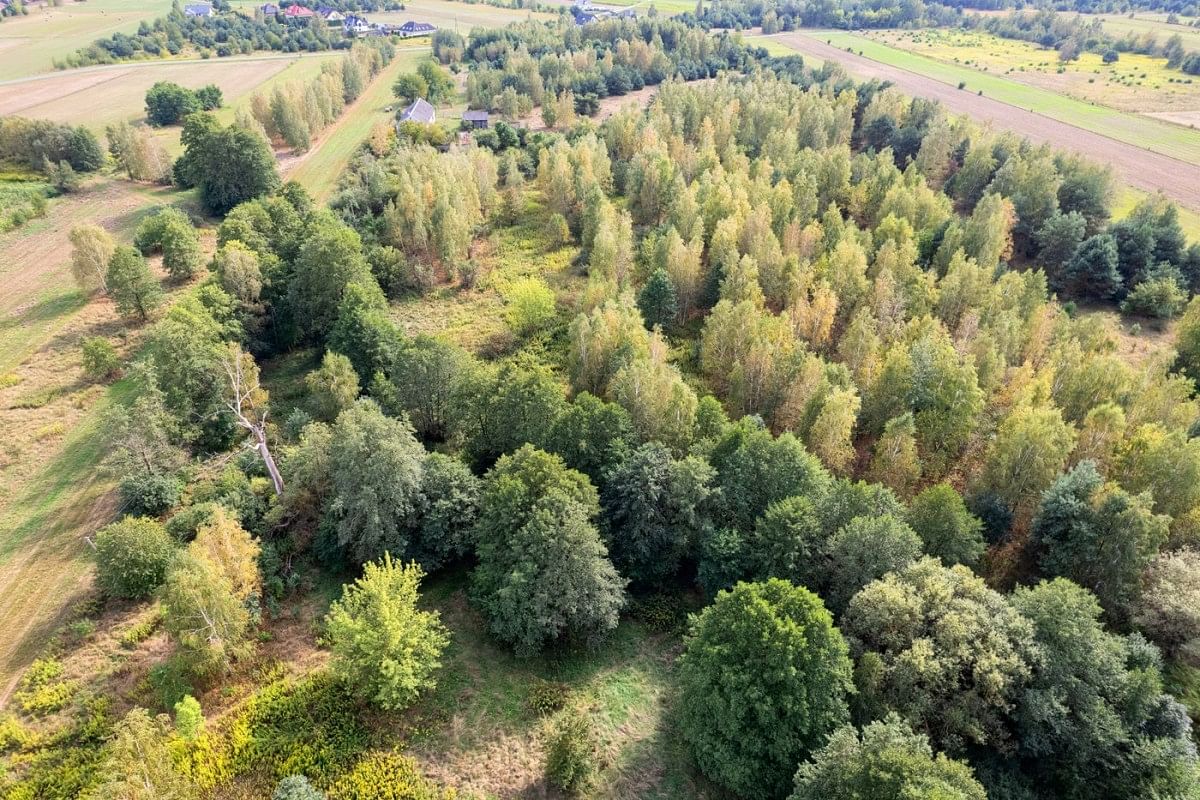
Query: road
[(1140, 168)]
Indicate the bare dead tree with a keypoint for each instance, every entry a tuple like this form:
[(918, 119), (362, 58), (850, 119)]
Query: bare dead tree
[(248, 404)]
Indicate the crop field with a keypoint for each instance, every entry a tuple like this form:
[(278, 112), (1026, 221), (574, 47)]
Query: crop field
[(98, 97), (30, 44), (1140, 131), (1135, 83)]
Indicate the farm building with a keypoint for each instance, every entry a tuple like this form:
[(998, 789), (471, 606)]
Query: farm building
[(419, 111), (298, 12), (198, 10), (413, 28), (478, 119)]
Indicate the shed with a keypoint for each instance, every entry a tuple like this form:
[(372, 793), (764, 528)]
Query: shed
[(478, 119)]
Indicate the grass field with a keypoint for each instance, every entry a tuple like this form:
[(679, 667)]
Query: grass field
[(460, 16), (319, 168), (1143, 23), (1135, 83), (29, 44), (1151, 134)]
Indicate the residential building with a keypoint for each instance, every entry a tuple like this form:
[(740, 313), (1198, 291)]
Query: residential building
[(419, 111)]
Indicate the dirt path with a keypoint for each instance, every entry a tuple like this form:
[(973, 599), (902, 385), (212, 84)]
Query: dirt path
[(1140, 168)]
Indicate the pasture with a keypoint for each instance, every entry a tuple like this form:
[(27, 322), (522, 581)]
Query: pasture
[(1135, 83), (456, 16), (1143, 23), (1140, 131), (30, 44)]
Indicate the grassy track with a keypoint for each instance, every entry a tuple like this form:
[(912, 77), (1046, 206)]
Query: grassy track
[(1143, 132), (29, 44), (319, 169)]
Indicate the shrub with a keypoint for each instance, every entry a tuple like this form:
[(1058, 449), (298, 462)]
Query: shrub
[(529, 305), (546, 697), (296, 787), (184, 523), (386, 647), (100, 359), (571, 752), (386, 776), (150, 494), (132, 557)]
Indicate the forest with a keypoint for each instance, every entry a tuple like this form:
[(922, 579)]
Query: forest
[(824, 367)]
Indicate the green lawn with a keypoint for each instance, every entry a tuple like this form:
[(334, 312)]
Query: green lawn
[(29, 44), (1144, 132)]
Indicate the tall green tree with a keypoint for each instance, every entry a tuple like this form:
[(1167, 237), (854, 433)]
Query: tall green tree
[(763, 682), (131, 284)]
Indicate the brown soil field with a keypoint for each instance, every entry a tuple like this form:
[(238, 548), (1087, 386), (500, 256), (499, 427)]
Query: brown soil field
[(98, 97), (1140, 168), (1187, 118)]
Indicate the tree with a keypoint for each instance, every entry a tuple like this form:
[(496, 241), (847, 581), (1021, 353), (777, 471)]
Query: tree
[(940, 648), (653, 512), (518, 405), (592, 436), (788, 542), (947, 529), (1168, 611), (239, 271), (182, 256), (329, 262), (1098, 535), (449, 506), (387, 648), (889, 760), (439, 81), (229, 165), (92, 249), (1058, 240), (131, 285), (544, 574), (1029, 452), (427, 379), (755, 469), (1093, 722), (763, 682), (169, 103), (333, 387), (409, 87), (375, 465), (657, 300), (896, 463), (865, 549), (189, 718), (1158, 296), (132, 557), (139, 763), (1187, 341), (1092, 271), (247, 402)]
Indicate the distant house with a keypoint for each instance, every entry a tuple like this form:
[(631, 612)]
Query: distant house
[(356, 24), (198, 10), (478, 119), (419, 111), (297, 12), (330, 14), (412, 28), (269, 9)]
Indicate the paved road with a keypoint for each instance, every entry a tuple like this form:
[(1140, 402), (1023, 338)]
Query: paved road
[(1143, 169)]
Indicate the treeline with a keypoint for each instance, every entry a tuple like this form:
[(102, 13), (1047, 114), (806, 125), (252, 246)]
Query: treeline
[(296, 112), (223, 34), (1071, 35), (524, 65), (37, 142)]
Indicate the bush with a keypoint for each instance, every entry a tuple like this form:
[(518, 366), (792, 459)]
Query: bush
[(571, 752), (296, 787), (546, 697), (529, 305), (386, 776), (132, 557), (150, 494), (386, 647), (184, 524), (100, 359)]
